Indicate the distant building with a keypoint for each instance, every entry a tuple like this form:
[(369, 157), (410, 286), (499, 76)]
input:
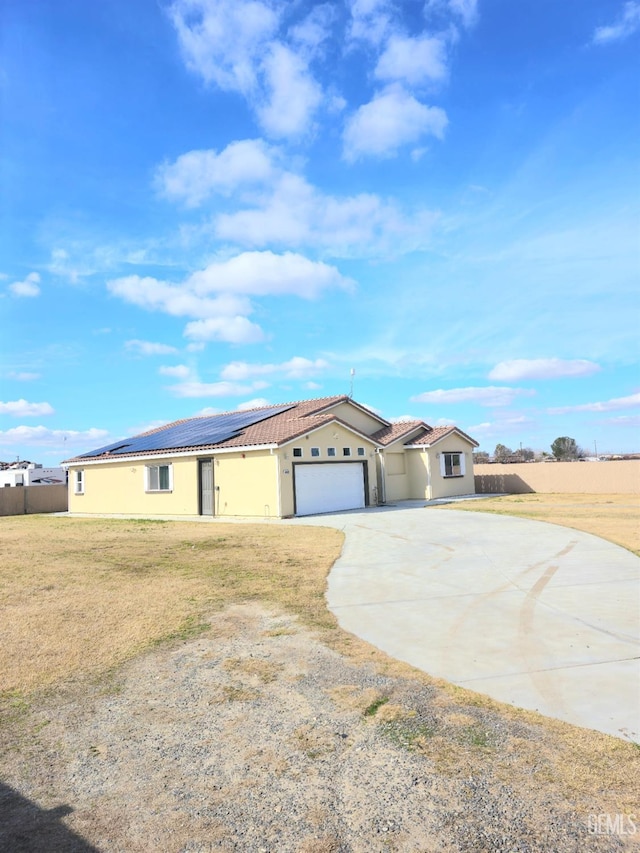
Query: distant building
[(31, 474)]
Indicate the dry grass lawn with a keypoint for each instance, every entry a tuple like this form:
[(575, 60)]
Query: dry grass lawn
[(80, 596), (613, 517)]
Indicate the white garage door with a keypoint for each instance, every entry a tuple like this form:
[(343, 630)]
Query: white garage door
[(329, 487)]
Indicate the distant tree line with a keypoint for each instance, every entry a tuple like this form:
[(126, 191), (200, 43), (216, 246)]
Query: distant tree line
[(563, 449)]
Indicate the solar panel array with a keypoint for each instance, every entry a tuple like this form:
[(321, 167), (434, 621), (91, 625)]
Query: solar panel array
[(191, 433)]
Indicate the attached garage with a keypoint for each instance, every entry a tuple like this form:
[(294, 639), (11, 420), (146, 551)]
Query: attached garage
[(328, 487)]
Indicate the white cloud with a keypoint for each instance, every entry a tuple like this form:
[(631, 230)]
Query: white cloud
[(40, 436), (296, 214), (28, 287), (371, 20), (293, 95), (296, 368), (24, 409), (223, 40), (613, 405), (214, 389), (542, 368), (146, 427), (256, 403), (196, 175), (268, 274), (149, 348), (413, 60), (627, 23), (233, 44), (232, 330), (499, 428), (487, 396), (465, 9), (392, 119), (315, 28), (18, 376), (178, 371)]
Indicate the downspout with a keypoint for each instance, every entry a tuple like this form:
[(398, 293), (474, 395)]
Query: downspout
[(426, 450), (383, 485), (278, 483)]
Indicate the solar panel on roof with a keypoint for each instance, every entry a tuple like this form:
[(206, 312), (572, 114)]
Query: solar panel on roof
[(192, 433)]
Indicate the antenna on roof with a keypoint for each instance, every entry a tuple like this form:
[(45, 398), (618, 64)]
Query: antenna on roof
[(352, 373)]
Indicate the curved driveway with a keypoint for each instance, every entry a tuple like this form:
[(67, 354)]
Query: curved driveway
[(536, 615)]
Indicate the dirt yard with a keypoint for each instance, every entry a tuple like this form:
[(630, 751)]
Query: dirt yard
[(257, 725)]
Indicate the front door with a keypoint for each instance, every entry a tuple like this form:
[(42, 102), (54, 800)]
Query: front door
[(206, 487)]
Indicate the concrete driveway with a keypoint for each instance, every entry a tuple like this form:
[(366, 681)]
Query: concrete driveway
[(539, 616)]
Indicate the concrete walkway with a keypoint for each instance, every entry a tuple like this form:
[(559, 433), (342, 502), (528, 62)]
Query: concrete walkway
[(539, 616)]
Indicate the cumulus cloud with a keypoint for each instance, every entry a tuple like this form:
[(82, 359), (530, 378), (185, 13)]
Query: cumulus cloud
[(223, 40), (296, 368), (371, 20), (296, 214), (149, 347), (236, 45), (231, 330), (413, 60), (217, 297), (29, 287), (256, 403), (617, 403), (393, 118), (627, 23), (196, 175), (542, 368), (487, 396), (24, 409), (61, 439), (22, 376), (292, 94), (177, 371)]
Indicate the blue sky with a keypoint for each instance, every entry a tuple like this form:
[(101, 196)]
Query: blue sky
[(215, 204)]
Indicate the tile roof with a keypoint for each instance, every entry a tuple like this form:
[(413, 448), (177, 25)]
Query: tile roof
[(438, 433), (277, 429), (297, 419), (387, 435)]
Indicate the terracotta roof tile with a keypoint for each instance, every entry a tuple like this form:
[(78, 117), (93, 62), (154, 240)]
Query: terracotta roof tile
[(437, 433), (395, 431)]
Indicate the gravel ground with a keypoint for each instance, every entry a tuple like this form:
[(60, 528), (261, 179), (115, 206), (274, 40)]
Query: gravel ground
[(256, 737)]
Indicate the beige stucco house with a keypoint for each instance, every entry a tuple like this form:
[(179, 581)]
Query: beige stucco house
[(299, 458)]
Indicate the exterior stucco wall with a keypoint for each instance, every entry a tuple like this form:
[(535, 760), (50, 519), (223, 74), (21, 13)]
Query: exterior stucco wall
[(396, 467), (419, 480), (586, 478), (332, 435), (444, 487), (119, 488), (358, 419), (246, 484)]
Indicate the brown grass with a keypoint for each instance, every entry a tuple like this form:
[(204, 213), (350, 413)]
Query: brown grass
[(612, 517), (80, 596)]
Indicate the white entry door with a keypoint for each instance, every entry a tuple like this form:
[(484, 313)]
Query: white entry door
[(328, 487)]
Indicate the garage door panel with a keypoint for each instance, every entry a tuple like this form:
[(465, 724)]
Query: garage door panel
[(329, 487)]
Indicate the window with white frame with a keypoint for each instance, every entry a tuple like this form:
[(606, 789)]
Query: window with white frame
[(315, 451), (159, 478), (297, 452), (452, 464), (346, 451), (78, 482), (331, 451), (361, 451)]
